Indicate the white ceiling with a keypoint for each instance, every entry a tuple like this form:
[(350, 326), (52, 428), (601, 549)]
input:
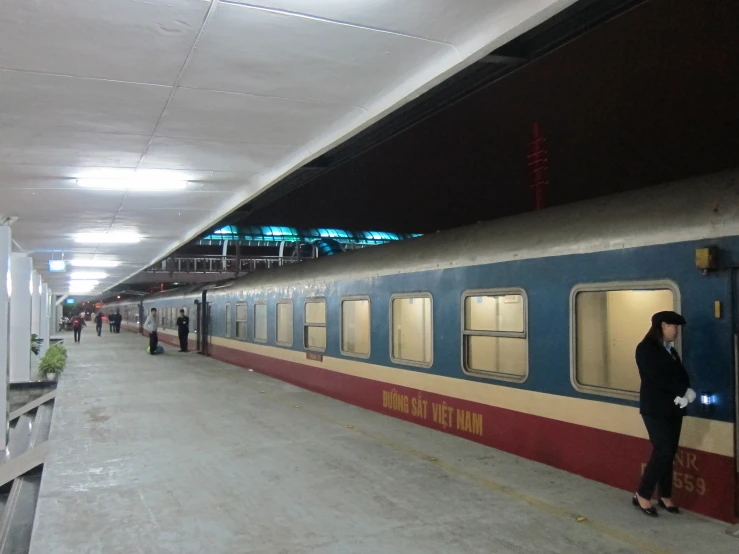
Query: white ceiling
[(227, 95)]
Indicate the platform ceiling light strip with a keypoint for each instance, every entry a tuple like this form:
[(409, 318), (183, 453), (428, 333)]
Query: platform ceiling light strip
[(81, 275), (76, 286), (107, 238), (149, 185), (94, 263)]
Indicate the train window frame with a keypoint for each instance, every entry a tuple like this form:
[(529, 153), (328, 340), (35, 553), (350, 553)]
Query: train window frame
[(524, 335), (642, 284), (401, 361), (244, 320), (227, 334), (292, 321), (306, 325), (341, 327), (254, 326)]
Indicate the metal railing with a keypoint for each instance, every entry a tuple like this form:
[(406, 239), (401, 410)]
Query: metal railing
[(220, 264)]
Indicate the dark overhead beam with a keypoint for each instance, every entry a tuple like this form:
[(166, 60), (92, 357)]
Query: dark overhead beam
[(502, 60)]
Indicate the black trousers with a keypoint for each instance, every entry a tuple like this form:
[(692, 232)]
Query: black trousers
[(183, 340), (153, 343), (99, 328), (77, 334), (664, 434)]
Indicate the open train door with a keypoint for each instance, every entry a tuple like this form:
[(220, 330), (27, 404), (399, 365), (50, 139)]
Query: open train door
[(735, 318), (206, 334), (142, 318), (198, 320), (203, 308)]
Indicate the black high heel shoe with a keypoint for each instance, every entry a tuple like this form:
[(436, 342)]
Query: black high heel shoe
[(671, 509), (651, 511)]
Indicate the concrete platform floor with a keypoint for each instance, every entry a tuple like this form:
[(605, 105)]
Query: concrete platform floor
[(183, 454)]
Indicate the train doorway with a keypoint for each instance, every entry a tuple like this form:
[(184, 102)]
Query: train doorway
[(204, 320), (735, 319)]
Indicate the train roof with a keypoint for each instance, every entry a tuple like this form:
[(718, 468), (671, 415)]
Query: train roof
[(697, 208)]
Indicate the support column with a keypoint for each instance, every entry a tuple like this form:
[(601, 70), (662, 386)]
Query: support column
[(44, 318), (35, 301), (5, 245), (51, 302), (21, 267)]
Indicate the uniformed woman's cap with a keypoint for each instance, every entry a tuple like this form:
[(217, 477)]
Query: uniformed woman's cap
[(671, 318)]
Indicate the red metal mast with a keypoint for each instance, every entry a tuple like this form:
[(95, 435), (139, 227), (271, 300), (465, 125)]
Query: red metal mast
[(538, 162)]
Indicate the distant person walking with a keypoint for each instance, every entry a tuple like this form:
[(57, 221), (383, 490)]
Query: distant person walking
[(118, 320), (183, 328), (111, 321), (151, 325), (77, 324), (99, 323)]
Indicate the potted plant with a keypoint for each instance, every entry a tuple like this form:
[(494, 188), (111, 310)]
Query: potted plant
[(53, 362), (36, 343)]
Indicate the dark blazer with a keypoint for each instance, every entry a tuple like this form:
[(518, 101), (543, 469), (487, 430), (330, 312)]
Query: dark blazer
[(663, 377)]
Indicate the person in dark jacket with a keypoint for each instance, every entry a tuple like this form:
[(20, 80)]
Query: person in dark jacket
[(664, 394), (183, 328), (118, 320), (99, 322)]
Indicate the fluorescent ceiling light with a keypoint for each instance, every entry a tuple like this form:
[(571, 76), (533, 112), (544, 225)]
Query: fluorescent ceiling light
[(57, 266), (109, 238), (94, 263), (81, 275), (82, 286), (148, 184)]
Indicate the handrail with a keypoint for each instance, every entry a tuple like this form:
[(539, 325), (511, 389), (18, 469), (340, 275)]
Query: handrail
[(210, 263)]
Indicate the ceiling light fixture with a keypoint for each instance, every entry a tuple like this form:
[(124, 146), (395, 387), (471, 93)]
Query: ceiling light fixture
[(94, 263), (82, 275), (148, 184), (108, 238), (82, 286)]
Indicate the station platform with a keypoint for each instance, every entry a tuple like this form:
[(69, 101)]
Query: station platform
[(178, 453)]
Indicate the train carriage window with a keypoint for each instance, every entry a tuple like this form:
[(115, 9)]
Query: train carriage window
[(494, 334), (355, 327), (241, 320), (284, 322), (315, 324), (608, 321), (228, 320), (260, 321), (411, 336)]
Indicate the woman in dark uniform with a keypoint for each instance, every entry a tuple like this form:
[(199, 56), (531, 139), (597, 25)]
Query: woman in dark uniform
[(665, 392)]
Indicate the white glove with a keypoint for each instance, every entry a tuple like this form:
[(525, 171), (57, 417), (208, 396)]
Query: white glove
[(690, 395), (681, 401)]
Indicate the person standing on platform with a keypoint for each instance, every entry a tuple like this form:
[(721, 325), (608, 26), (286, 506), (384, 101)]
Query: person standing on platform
[(664, 394), (151, 325), (118, 320), (111, 321), (183, 329), (99, 323), (78, 323)]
